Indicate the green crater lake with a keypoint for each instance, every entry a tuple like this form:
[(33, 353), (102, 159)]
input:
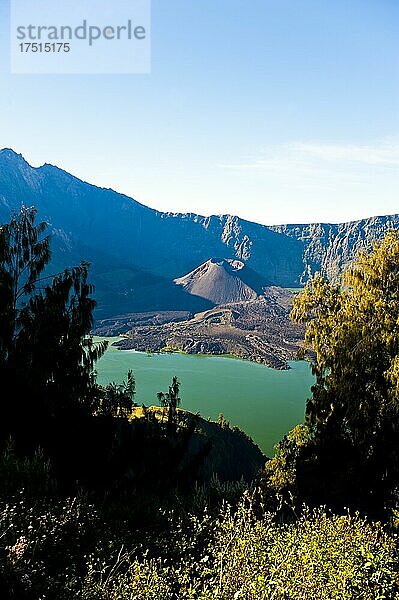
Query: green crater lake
[(264, 402)]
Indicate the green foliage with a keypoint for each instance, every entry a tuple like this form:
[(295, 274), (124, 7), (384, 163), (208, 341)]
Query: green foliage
[(354, 331), (351, 451), (281, 470), (56, 551)]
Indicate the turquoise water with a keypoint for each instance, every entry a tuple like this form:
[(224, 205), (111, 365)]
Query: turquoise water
[(265, 403)]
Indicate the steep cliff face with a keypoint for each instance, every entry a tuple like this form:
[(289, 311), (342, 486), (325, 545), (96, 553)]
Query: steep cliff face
[(328, 248), (137, 252)]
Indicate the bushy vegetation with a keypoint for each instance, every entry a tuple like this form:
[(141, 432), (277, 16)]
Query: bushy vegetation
[(65, 550)]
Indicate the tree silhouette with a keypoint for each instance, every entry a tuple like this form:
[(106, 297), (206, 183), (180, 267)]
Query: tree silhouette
[(24, 253), (171, 401), (118, 399), (46, 353)]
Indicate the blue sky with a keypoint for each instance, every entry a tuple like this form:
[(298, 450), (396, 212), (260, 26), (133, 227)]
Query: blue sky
[(275, 110)]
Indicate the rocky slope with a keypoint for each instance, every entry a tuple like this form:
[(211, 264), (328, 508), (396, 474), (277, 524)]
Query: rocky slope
[(258, 330), (223, 280), (328, 248)]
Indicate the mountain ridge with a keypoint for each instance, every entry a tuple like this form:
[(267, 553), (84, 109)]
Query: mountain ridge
[(274, 226), (115, 232)]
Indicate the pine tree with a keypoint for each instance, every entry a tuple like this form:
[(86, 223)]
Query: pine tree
[(46, 353), (171, 401), (117, 400)]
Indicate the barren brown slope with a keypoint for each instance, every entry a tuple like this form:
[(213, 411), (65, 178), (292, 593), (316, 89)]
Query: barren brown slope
[(222, 281), (258, 330)]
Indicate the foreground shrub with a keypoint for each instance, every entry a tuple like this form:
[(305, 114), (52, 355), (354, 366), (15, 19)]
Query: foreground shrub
[(64, 550), (43, 546), (319, 557)]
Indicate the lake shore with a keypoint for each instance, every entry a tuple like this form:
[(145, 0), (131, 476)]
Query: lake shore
[(257, 330)]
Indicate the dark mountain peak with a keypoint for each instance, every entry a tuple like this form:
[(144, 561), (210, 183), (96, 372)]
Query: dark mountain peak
[(50, 167), (9, 155)]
